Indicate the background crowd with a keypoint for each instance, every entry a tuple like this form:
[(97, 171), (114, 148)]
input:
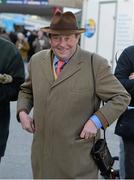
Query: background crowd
[(27, 42)]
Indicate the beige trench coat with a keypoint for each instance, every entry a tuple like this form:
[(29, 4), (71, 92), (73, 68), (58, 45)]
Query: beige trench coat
[(62, 107)]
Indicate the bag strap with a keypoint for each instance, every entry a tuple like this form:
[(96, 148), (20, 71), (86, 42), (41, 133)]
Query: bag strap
[(93, 73)]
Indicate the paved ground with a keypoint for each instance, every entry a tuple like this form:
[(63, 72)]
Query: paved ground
[(17, 165), (16, 162)]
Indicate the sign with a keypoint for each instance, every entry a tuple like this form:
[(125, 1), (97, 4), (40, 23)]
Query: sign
[(35, 2), (90, 27)]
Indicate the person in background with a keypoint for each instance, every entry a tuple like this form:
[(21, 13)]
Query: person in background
[(67, 115), (41, 42), (11, 77), (23, 47), (124, 71), (31, 38), (13, 37), (4, 34)]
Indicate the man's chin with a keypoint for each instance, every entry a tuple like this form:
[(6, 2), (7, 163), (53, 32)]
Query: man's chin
[(61, 56)]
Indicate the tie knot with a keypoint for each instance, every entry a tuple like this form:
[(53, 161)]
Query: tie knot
[(60, 62)]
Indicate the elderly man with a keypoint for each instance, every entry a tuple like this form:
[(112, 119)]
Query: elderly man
[(67, 113)]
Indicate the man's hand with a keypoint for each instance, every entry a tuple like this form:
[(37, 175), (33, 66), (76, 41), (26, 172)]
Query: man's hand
[(131, 76), (89, 130), (26, 122)]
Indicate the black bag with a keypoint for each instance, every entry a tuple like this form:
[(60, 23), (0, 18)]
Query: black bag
[(103, 158), (125, 124)]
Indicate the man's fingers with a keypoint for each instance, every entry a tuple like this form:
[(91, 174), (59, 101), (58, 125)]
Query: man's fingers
[(30, 130), (28, 127), (87, 135), (82, 135)]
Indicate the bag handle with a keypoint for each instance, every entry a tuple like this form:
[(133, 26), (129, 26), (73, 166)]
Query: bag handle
[(93, 73)]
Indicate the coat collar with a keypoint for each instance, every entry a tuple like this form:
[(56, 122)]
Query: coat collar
[(70, 68)]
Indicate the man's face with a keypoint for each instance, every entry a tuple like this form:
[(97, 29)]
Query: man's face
[(64, 46)]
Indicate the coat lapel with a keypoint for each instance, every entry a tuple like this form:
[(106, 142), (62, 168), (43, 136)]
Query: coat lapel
[(72, 67), (47, 67)]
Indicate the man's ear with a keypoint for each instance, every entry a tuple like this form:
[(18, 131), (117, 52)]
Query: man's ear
[(78, 37)]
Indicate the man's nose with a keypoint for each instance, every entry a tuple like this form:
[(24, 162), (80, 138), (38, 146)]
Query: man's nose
[(62, 41)]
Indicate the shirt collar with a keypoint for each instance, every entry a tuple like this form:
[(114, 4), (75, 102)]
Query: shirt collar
[(55, 60)]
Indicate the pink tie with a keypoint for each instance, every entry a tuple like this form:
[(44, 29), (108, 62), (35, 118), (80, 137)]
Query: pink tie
[(59, 66)]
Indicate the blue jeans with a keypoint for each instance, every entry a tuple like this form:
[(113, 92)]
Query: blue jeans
[(122, 160)]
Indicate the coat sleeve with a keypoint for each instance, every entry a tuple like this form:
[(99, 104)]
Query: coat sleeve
[(109, 90), (25, 98), (14, 67)]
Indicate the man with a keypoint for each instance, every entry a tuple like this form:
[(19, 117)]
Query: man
[(125, 73), (64, 102), (41, 42), (11, 77)]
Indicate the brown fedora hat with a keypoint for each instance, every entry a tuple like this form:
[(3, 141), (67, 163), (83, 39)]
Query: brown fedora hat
[(63, 23)]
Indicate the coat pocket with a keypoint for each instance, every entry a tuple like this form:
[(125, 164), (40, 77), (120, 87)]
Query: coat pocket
[(82, 162)]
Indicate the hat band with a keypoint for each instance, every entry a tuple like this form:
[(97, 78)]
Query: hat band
[(63, 27)]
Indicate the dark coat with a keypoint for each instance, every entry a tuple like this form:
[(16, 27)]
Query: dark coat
[(62, 107), (10, 63), (125, 66)]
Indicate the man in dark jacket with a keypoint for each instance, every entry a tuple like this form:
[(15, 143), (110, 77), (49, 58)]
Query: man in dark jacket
[(11, 77), (125, 73)]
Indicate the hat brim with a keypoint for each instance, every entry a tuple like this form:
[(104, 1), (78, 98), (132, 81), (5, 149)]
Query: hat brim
[(52, 31)]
